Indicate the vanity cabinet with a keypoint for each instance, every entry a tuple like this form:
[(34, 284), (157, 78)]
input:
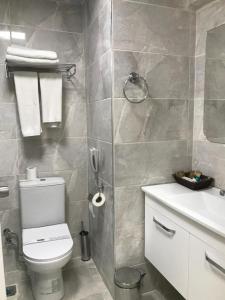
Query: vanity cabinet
[(206, 269), (163, 248), (186, 256)]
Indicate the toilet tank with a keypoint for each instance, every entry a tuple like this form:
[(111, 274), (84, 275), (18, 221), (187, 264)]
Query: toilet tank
[(42, 202)]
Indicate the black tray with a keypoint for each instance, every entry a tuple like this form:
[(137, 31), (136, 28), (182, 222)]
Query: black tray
[(204, 183)]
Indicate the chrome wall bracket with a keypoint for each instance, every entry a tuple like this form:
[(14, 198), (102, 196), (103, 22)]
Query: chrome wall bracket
[(4, 191)]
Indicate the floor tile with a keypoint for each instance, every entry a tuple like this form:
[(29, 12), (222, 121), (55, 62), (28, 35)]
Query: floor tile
[(81, 282)]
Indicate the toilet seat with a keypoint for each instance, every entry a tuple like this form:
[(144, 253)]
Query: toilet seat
[(45, 244)]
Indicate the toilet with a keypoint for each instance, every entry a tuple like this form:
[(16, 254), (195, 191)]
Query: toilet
[(47, 242)]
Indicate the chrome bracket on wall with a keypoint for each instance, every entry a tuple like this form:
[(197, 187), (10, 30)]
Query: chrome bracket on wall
[(4, 191), (96, 163)]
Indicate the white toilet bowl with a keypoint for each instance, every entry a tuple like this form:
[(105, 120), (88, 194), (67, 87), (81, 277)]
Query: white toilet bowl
[(46, 251)]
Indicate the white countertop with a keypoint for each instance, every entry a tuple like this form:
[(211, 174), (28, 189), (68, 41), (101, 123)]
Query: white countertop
[(205, 207)]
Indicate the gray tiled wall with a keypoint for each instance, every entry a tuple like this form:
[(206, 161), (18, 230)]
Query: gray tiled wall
[(141, 144), (99, 108), (196, 4), (49, 25), (152, 139)]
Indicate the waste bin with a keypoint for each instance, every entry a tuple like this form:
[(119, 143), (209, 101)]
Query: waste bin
[(127, 283)]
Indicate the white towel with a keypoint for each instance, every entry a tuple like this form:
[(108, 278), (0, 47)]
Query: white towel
[(31, 53), (31, 61), (51, 98), (26, 85)]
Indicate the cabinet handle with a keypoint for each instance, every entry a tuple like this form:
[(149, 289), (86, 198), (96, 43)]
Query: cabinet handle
[(168, 230), (214, 263)]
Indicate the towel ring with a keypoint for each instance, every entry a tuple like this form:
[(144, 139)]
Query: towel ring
[(135, 78)]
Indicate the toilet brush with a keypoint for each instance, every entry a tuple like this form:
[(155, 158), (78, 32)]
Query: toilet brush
[(85, 244)]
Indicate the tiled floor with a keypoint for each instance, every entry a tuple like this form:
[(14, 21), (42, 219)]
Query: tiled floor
[(81, 282), (153, 295)]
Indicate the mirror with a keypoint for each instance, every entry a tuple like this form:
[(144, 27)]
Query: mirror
[(214, 102)]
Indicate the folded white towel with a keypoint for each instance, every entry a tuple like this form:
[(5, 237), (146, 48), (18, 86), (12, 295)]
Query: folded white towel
[(32, 61), (26, 85), (31, 53), (51, 97)]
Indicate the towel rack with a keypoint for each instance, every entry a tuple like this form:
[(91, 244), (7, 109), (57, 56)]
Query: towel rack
[(69, 70), (135, 78)]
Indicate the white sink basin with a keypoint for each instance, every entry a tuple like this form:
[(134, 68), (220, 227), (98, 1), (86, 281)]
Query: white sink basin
[(204, 207)]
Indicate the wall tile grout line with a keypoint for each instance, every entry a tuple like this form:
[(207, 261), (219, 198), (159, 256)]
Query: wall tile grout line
[(150, 53), (41, 28), (163, 6)]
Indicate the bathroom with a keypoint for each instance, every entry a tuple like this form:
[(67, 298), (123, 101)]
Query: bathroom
[(138, 88)]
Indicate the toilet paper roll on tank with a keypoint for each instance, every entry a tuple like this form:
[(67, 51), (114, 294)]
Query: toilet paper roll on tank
[(31, 173)]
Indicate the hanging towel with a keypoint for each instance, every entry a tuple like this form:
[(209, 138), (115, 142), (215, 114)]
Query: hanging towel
[(31, 53), (51, 98), (31, 61), (26, 85)]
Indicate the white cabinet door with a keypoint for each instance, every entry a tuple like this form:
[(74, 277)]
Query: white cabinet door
[(207, 272), (166, 247)]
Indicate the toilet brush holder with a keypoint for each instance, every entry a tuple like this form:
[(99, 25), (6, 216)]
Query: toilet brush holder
[(85, 244)]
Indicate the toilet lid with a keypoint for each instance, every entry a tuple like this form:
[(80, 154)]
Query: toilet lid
[(47, 243)]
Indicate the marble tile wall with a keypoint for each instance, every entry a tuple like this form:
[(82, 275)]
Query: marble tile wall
[(207, 156), (196, 4), (152, 139), (100, 135), (141, 144), (49, 25)]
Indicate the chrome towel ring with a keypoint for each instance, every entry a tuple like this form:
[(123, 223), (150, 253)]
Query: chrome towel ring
[(136, 78)]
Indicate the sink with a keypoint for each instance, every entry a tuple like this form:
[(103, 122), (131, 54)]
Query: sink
[(204, 207), (204, 204)]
